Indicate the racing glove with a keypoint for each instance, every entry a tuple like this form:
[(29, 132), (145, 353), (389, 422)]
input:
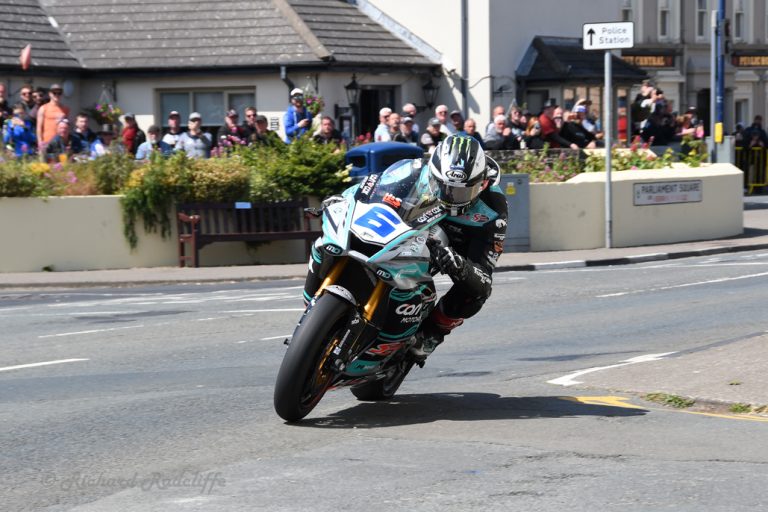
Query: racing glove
[(450, 262)]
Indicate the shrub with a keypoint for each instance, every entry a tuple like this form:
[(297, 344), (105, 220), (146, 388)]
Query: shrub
[(18, 179)]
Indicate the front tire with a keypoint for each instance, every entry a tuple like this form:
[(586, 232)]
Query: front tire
[(304, 374), (383, 389)]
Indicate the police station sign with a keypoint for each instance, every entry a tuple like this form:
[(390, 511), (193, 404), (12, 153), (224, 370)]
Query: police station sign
[(668, 192)]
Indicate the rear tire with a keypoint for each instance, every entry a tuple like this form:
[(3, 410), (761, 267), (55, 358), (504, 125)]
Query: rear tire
[(383, 389), (304, 374)]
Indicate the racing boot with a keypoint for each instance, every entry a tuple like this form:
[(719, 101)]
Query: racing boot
[(432, 333)]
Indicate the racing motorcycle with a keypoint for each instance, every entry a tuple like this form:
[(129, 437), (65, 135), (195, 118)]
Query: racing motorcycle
[(358, 328)]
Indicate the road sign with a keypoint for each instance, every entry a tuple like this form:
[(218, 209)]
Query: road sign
[(609, 36)]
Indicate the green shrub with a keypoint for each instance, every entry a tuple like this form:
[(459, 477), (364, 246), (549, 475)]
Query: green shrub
[(110, 172), (20, 179)]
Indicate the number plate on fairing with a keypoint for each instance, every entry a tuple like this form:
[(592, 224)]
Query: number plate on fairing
[(377, 223)]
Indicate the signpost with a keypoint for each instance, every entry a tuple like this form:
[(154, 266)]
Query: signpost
[(608, 36)]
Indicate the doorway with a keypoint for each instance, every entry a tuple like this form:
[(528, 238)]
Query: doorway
[(373, 99)]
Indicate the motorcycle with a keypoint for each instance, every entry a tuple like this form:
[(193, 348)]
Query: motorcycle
[(358, 328)]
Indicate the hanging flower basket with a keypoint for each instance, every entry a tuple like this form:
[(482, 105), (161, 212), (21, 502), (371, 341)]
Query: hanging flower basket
[(105, 113)]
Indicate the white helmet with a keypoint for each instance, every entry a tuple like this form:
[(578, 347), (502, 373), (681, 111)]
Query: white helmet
[(459, 167)]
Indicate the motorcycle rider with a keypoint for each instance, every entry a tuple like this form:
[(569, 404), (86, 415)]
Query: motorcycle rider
[(475, 226)]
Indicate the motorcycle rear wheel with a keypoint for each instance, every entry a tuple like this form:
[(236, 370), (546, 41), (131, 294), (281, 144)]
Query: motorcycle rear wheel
[(383, 389), (305, 373)]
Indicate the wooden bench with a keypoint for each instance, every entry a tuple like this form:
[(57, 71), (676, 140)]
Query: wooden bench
[(200, 224)]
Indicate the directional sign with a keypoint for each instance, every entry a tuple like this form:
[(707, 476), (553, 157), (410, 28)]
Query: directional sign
[(609, 36)]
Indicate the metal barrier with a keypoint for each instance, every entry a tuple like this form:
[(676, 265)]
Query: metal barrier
[(752, 161)]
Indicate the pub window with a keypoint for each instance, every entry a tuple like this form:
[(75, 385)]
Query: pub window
[(702, 20), (738, 21), (664, 19), (211, 104), (741, 111)]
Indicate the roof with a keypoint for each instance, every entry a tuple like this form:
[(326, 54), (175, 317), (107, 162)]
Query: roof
[(559, 59), (351, 36), (200, 34), (24, 22)]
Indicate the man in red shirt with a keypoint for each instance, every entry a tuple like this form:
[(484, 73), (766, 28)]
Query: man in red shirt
[(549, 130)]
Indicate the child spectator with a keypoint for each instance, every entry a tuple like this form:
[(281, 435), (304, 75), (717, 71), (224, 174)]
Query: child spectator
[(18, 133)]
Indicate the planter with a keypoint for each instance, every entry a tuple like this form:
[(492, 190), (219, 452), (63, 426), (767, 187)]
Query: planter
[(571, 215), (86, 233)]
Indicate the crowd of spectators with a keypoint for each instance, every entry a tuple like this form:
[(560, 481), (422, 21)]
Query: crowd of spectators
[(39, 125)]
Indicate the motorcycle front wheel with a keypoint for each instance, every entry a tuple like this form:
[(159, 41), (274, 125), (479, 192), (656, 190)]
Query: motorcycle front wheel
[(305, 373)]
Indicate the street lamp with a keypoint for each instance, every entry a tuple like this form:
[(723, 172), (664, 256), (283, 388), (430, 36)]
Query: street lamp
[(353, 91), (430, 93), (353, 95)]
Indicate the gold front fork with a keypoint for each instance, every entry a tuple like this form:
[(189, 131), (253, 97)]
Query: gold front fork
[(379, 291)]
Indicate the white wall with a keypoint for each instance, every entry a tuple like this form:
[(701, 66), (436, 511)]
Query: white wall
[(500, 32)]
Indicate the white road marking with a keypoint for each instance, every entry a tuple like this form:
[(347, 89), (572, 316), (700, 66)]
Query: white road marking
[(264, 310), (89, 332), (46, 363), (684, 285), (568, 380), (277, 337)]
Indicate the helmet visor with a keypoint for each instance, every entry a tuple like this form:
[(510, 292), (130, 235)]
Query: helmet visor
[(460, 196)]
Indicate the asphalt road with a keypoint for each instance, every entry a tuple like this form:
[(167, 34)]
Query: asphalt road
[(161, 399)]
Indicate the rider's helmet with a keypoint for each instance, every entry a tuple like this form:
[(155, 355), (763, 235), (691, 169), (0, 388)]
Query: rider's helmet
[(460, 172)]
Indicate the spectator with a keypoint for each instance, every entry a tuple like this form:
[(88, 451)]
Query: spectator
[(441, 112), (498, 110), (501, 137), (49, 115), (409, 110), (82, 132), (132, 135), (516, 123), (432, 136), (102, 144), (153, 144), (550, 131), (18, 132), (5, 108), (470, 128), (194, 142), (457, 121), (249, 125), (39, 98), (175, 130), (394, 125), (641, 106), (533, 139), (756, 130), (328, 134), (297, 120), (738, 136), (25, 94), (262, 135), (659, 129), (231, 134), (62, 146), (381, 134), (573, 131), (407, 134)]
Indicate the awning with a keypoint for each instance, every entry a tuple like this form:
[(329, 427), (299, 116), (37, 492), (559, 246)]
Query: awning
[(563, 60)]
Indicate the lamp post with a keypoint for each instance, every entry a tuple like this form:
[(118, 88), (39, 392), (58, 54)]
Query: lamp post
[(430, 93), (353, 95)]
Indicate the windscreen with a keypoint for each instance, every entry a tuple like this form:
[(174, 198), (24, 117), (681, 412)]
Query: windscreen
[(409, 189)]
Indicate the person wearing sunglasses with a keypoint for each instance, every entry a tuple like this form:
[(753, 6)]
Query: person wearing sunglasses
[(49, 115)]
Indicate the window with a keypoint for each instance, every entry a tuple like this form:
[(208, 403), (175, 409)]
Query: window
[(702, 21), (626, 10), (664, 19), (739, 30), (741, 111), (211, 104)]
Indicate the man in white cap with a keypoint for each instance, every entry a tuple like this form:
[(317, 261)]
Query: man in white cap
[(297, 120), (382, 131), (194, 142)]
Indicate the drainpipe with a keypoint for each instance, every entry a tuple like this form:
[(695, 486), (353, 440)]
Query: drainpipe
[(284, 78), (464, 56)]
